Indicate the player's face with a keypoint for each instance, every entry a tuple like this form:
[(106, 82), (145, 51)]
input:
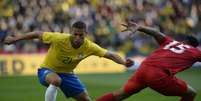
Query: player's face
[(78, 35)]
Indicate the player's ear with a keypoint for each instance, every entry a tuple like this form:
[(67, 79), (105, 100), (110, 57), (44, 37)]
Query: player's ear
[(71, 30)]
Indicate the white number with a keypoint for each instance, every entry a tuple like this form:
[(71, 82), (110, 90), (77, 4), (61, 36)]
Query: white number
[(179, 49)]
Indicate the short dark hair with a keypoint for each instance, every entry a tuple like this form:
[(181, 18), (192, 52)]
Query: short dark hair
[(79, 25), (192, 40)]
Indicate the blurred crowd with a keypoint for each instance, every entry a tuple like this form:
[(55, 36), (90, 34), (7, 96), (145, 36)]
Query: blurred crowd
[(104, 19)]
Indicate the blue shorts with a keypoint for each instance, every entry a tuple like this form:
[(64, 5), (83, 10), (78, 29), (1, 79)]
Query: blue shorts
[(70, 84)]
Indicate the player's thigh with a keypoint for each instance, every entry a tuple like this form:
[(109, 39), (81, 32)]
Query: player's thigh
[(170, 86), (71, 86), (53, 78), (46, 76), (84, 96), (133, 85)]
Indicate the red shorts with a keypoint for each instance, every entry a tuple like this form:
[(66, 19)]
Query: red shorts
[(157, 79)]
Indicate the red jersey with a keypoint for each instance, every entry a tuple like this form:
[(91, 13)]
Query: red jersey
[(173, 55)]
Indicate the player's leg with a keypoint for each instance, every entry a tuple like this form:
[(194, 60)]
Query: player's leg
[(172, 86), (71, 86), (54, 81), (131, 87), (189, 95), (51, 80), (84, 96), (114, 96)]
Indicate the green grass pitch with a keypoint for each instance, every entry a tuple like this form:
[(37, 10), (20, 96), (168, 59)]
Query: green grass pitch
[(27, 88)]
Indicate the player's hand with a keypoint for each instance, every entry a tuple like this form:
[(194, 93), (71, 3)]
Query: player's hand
[(131, 26), (129, 63), (11, 39)]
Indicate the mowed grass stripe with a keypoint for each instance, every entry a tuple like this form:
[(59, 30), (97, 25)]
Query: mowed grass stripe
[(27, 88)]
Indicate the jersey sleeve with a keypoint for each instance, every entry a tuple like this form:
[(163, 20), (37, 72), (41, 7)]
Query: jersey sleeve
[(49, 37), (97, 50), (166, 41)]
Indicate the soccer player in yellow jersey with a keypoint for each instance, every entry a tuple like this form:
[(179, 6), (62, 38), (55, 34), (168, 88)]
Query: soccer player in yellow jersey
[(65, 52)]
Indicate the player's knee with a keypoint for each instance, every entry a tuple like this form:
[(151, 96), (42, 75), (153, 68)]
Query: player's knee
[(56, 82), (53, 79), (191, 93)]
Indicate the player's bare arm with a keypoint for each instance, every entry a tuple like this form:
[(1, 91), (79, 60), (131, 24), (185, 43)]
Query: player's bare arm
[(116, 58), (159, 37), (133, 27), (27, 36)]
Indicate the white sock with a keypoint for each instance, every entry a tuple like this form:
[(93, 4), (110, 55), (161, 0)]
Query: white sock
[(51, 93)]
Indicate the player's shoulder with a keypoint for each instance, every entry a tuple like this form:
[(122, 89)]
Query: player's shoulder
[(88, 40), (56, 33), (199, 48), (166, 40), (89, 44), (195, 49), (61, 35)]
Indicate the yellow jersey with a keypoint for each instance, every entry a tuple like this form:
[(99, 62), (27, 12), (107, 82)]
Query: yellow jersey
[(62, 57)]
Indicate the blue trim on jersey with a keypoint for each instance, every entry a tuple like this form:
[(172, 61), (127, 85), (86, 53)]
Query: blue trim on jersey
[(70, 85)]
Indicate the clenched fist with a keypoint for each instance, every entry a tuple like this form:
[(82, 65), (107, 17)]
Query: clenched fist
[(129, 63)]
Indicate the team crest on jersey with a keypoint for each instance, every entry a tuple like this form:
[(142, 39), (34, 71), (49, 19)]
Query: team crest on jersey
[(80, 55)]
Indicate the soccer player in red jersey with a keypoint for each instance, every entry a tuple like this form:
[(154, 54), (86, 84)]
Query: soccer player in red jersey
[(158, 70)]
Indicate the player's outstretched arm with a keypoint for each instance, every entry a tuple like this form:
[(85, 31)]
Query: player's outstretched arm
[(27, 36), (133, 27), (159, 37), (116, 58)]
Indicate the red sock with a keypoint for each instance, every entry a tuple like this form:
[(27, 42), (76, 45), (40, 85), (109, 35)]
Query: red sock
[(106, 97), (184, 99)]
